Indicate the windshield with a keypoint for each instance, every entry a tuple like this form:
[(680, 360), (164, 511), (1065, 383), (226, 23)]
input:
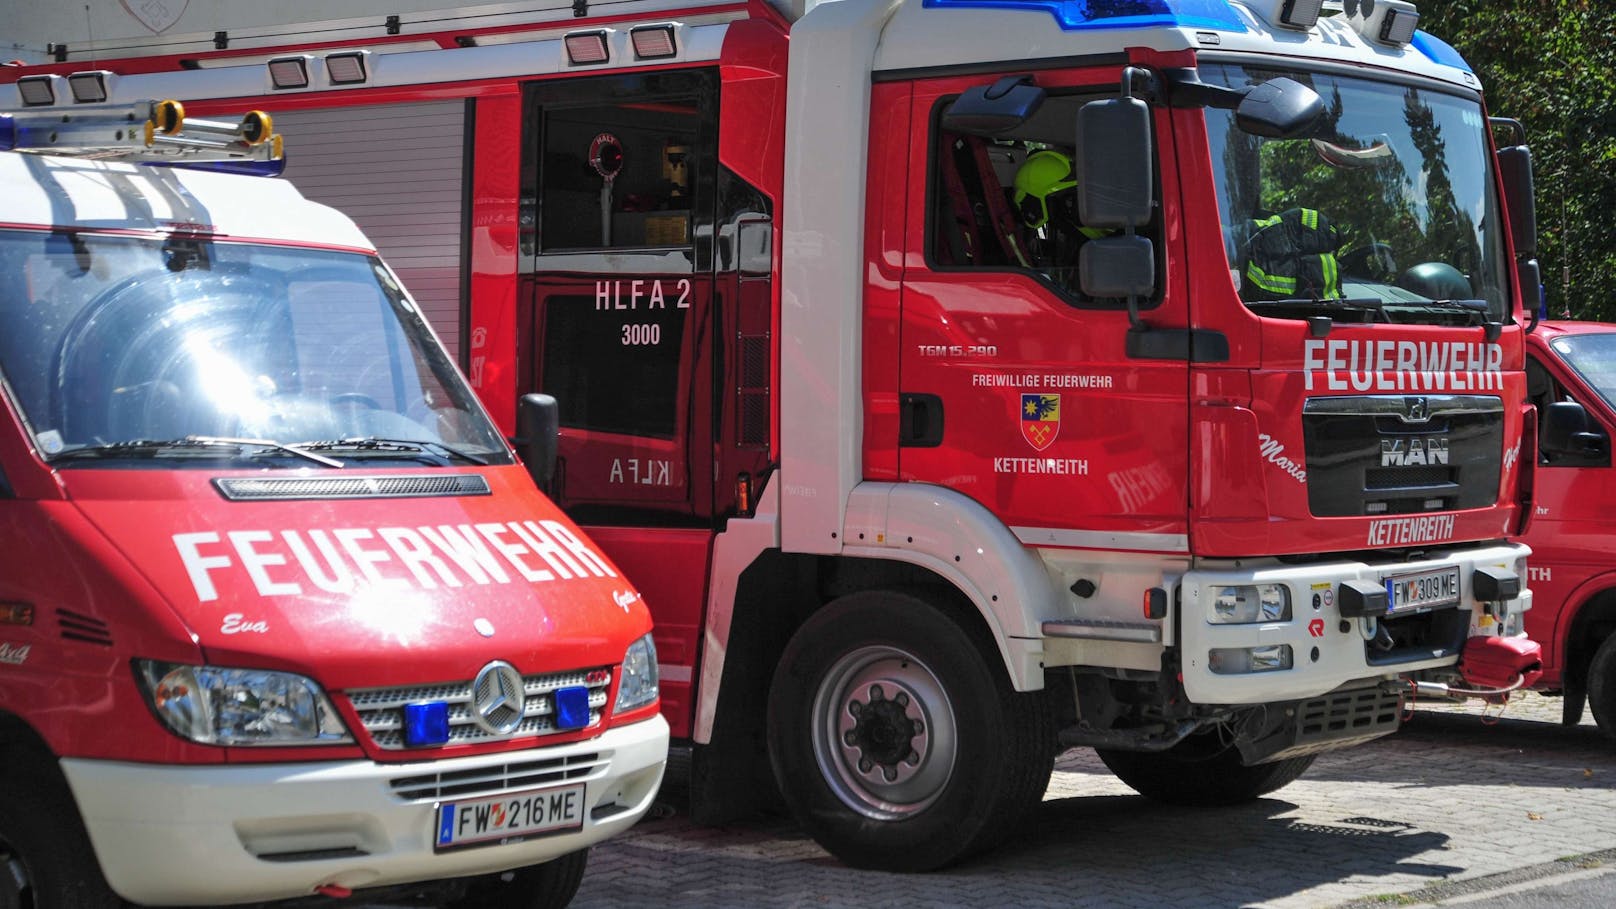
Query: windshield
[(1594, 358), (126, 348), (1384, 211)]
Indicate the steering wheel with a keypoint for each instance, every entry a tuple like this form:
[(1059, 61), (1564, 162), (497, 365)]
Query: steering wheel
[(355, 399)]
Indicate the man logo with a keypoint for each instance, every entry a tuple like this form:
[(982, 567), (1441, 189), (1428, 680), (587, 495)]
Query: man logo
[(1040, 420), (1420, 451)]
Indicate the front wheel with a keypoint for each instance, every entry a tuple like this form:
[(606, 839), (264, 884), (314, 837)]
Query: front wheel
[(1201, 771), (1602, 686), (547, 886), (46, 861), (896, 738)]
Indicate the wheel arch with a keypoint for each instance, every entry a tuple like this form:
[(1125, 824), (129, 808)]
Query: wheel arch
[(1586, 624), (896, 536)]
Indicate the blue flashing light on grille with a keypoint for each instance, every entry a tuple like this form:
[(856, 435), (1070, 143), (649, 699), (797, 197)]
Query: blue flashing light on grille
[(1439, 51), (572, 707), (426, 724), (8, 133), (1073, 15)]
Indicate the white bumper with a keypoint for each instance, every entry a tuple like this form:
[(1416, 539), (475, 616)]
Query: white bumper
[(194, 834), (1327, 650)]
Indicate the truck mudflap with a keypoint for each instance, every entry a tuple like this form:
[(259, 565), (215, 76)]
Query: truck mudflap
[(1267, 632)]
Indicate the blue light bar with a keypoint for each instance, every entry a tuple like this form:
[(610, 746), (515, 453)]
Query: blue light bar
[(1439, 51), (426, 724), (1073, 15), (272, 168), (8, 133), (572, 707)]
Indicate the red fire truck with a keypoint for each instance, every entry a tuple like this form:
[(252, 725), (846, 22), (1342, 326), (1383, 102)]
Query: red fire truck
[(965, 379), (281, 617)]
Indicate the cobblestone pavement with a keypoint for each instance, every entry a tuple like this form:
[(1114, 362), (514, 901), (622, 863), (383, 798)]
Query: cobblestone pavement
[(1451, 803)]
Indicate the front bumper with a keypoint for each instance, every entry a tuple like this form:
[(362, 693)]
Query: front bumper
[(1328, 650), (208, 835)]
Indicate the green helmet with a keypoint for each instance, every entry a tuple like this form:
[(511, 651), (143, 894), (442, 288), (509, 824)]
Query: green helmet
[(1044, 173)]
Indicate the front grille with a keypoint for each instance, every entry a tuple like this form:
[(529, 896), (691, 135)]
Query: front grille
[(499, 777), (381, 710), (1402, 454), (255, 489)]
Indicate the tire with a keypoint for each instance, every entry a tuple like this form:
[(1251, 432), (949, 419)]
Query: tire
[(547, 886), (46, 861), (1202, 772), (1602, 686), (896, 738)]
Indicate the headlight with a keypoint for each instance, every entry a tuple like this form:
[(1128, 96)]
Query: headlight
[(1251, 605), (217, 706), (1244, 660), (639, 685)]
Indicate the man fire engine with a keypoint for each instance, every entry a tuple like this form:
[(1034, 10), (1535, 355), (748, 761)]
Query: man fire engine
[(917, 494)]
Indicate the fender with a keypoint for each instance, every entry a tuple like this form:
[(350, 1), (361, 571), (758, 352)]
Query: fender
[(943, 531), (1581, 595)]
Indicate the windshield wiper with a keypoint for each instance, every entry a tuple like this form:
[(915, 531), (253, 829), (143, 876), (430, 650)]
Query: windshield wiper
[(1315, 306), (1477, 309), (150, 448), (377, 444)]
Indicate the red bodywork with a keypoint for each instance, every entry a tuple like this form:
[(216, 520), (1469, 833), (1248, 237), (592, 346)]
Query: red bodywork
[(94, 564), (1572, 525)]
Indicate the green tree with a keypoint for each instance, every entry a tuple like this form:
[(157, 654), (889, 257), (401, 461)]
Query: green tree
[(1551, 64)]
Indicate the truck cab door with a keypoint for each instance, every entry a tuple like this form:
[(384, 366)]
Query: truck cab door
[(1573, 521), (1013, 386)]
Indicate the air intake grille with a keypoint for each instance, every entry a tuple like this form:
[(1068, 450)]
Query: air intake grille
[(381, 710), (499, 778), (255, 489), (1402, 454), (78, 627)]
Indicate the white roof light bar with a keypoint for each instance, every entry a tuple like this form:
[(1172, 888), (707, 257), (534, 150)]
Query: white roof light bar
[(37, 91), (585, 48), (89, 87), (653, 42), (347, 68), (1388, 22), (290, 72), (1295, 15)]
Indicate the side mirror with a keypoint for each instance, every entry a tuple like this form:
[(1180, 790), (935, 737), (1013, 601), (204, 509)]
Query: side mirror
[(1530, 276), (1117, 267), (1568, 433), (1113, 166), (993, 110), (538, 436), (1278, 109), (1515, 166)]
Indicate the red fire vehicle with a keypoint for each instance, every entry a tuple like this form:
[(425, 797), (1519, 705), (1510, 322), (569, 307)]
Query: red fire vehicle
[(1571, 378), (964, 379), (280, 615)]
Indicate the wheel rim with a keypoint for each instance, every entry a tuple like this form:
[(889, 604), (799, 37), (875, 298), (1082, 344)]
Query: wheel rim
[(16, 885), (884, 735)]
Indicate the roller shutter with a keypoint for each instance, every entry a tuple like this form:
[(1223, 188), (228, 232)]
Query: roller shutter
[(397, 171)]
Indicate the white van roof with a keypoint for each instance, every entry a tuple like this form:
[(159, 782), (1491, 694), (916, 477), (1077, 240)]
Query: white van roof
[(83, 193)]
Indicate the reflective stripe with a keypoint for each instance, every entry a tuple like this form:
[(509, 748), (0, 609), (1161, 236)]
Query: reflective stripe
[(1332, 277), (1276, 284), (1310, 218)]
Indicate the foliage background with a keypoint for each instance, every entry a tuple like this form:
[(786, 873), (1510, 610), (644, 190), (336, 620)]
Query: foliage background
[(1551, 64)]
